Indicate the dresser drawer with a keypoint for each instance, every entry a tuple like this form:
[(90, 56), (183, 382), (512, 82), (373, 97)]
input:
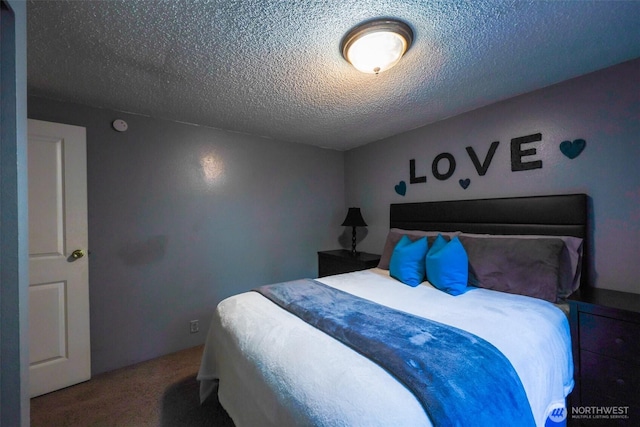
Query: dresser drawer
[(608, 381), (605, 326), (343, 261), (329, 267), (610, 337)]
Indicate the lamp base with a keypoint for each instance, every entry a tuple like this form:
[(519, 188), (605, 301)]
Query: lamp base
[(353, 242)]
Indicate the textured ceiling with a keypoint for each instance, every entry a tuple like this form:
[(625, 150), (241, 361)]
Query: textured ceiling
[(273, 67)]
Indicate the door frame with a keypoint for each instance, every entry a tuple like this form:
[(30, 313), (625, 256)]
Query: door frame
[(14, 264)]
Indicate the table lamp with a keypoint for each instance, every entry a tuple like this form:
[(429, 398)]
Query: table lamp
[(354, 219)]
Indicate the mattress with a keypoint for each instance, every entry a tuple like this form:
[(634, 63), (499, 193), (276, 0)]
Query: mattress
[(271, 368)]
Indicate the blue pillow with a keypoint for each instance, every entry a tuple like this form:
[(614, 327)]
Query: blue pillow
[(447, 266), (407, 261)]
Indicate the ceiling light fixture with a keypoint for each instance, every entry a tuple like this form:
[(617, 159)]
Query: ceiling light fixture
[(376, 46)]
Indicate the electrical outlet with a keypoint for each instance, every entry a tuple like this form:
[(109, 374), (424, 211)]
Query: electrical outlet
[(194, 326)]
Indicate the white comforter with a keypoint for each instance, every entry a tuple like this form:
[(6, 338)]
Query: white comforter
[(274, 369)]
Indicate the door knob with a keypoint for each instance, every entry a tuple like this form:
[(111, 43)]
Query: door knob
[(78, 253)]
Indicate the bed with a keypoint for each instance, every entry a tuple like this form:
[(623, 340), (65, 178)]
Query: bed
[(270, 367)]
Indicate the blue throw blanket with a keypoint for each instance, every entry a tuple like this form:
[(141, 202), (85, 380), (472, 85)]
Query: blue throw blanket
[(459, 378)]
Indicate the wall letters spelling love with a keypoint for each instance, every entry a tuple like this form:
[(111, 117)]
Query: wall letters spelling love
[(444, 164)]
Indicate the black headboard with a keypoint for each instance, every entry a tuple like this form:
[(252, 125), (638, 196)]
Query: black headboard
[(557, 215)]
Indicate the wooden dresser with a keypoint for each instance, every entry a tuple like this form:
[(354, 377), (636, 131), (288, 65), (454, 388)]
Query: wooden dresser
[(342, 261), (605, 334)]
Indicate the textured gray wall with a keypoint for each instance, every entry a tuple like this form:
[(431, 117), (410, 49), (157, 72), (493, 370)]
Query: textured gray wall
[(602, 108), (183, 216)]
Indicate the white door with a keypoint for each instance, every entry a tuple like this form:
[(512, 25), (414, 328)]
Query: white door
[(59, 349)]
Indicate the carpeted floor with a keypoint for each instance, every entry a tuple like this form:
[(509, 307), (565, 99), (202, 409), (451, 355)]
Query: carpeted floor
[(161, 392)]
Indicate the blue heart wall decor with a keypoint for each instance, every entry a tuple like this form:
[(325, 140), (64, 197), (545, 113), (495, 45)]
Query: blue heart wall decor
[(464, 183), (572, 149), (401, 188)]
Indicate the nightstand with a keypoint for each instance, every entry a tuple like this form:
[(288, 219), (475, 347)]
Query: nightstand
[(605, 335), (342, 261)]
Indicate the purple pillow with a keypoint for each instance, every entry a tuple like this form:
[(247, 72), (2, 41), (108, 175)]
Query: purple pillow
[(528, 267), (570, 265)]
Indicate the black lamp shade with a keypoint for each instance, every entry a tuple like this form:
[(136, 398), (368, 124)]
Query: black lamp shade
[(354, 218)]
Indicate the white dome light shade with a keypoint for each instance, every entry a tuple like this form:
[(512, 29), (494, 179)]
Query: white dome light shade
[(376, 52), (376, 46)]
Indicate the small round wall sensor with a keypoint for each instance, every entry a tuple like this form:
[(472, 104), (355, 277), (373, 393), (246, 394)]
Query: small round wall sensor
[(120, 125)]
